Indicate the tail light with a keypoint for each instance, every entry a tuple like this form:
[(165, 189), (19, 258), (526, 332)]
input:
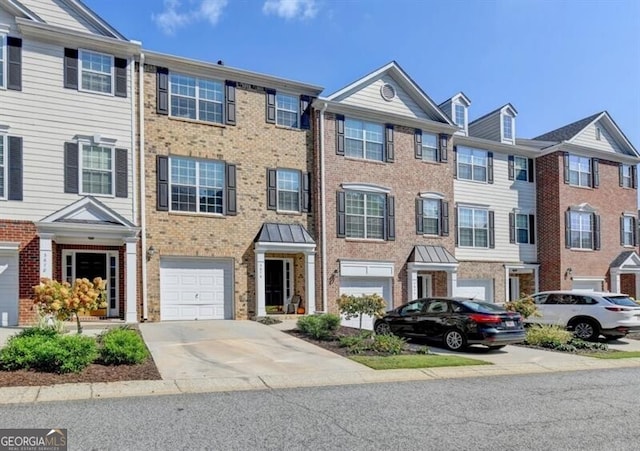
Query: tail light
[(480, 318), (617, 309)]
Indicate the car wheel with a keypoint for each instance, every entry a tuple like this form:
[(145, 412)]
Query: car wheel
[(491, 348), (382, 328), (454, 340), (585, 329)]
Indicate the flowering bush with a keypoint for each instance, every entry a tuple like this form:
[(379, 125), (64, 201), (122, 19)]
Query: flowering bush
[(62, 300)]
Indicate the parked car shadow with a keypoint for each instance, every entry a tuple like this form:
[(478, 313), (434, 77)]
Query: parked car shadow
[(437, 346)]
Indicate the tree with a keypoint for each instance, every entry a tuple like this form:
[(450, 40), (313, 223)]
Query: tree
[(63, 300), (357, 306), (526, 307)]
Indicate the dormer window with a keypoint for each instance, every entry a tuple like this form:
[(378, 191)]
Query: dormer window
[(507, 127), (460, 116)]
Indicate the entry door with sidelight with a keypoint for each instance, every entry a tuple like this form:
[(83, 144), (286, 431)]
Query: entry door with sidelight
[(278, 281), (78, 265), (424, 286)]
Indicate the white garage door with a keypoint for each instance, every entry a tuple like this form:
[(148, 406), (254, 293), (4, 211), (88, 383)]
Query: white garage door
[(358, 286), (478, 289), (587, 285), (195, 289), (9, 288)]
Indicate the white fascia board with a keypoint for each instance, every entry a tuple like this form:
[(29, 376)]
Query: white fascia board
[(352, 87), (366, 268), (308, 248), (447, 267), (613, 128), (16, 7), (487, 144), (66, 229), (589, 152), (94, 19)]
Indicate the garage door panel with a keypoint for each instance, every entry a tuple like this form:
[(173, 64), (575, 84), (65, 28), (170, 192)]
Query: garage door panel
[(478, 289), (359, 286), (9, 287)]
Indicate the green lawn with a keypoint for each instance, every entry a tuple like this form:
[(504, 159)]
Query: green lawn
[(615, 355), (393, 362)]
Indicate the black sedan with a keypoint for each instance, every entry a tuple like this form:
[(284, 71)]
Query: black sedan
[(457, 322)]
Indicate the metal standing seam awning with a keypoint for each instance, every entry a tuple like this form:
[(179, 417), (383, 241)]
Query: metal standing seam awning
[(432, 256), (284, 233)]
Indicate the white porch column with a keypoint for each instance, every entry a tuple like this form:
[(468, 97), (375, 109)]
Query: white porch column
[(637, 286), (131, 280), (452, 282), (615, 281), (412, 282), (46, 255), (310, 283), (259, 276)]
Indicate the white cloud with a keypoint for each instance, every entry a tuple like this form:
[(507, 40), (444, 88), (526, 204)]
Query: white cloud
[(291, 9), (173, 17)]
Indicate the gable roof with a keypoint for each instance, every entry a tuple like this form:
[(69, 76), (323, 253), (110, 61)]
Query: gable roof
[(93, 18), (568, 131), (19, 9), (394, 70), (497, 110), (460, 95)]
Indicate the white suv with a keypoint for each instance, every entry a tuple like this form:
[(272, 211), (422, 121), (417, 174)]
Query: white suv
[(587, 313)]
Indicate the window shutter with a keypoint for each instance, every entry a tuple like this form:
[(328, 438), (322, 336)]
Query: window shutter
[(232, 205), (417, 140), (339, 134), (532, 229), (162, 169), (621, 174), (272, 193), (230, 102), (530, 168), (71, 168), (634, 176), (455, 218), (635, 231), (271, 106), (162, 91), (391, 218), (71, 68), (121, 77), (341, 216), (622, 230), (122, 173), (512, 228), (455, 166), (596, 232), (567, 229), (306, 192), (595, 172), (15, 168), (442, 147), (390, 150), (444, 218), (14, 63), (492, 230), (566, 167), (511, 168), (305, 112), (419, 218), (490, 167)]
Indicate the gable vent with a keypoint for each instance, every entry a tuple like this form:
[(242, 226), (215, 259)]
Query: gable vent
[(388, 92)]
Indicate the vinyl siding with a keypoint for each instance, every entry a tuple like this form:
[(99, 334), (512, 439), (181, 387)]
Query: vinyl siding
[(487, 128), (446, 109), (402, 104), (54, 13), (7, 19), (46, 115), (587, 138), (503, 196)]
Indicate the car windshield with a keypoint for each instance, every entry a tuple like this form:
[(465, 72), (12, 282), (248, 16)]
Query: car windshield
[(621, 300), (483, 307)]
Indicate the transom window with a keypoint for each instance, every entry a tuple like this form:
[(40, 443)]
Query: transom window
[(196, 98), (522, 228), (581, 229), (521, 168), (459, 115), (3, 167), (97, 169), (364, 140), (288, 190), (429, 146), (96, 72), (579, 170), (507, 127), (431, 216), (365, 215), (3, 40), (472, 164), (287, 110), (473, 227), (628, 223), (196, 185), (627, 176)]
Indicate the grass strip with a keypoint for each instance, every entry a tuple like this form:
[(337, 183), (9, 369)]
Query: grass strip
[(394, 362), (614, 355)]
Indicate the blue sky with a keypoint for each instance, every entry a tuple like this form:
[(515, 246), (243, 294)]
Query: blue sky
[(555, 61)]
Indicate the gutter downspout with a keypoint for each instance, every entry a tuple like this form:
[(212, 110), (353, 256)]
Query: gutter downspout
[(323, 213), (134, 189), (141, 178)]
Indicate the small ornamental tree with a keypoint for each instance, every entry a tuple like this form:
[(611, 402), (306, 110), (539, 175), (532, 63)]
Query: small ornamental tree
[(62, 300), (357, 306)]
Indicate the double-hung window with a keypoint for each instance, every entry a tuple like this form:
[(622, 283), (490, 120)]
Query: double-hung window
[(507, 127), (472, 164), (522, 228), (365, 215), (97, 169), (3, 167), (196, 98), (521, 168), (628, 230), (579, 171), (431, 216), (473, 227), (288, 190), (197, 185), (364, 140), (460, 115), (429, 146), (581, 230), (96, 72), (626, 176), (3, 60), (287, 113)]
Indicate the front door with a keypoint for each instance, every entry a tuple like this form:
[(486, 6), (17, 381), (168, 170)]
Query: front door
[(89, 265), (274, 282), (424, 286)]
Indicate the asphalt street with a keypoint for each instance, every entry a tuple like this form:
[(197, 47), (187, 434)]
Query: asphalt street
[(587, 410)]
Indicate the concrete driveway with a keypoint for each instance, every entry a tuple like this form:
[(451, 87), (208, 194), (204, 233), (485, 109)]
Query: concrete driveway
[(226, 348)]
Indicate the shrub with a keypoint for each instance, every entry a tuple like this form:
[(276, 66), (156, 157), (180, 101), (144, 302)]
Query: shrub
[(46, 332), (268, 320), (122, 346), (357, 306), (525, 306), (356, 344), (388, 344), (20, 351), (549, 336), (588, 346), (423, 350), (320, 327)]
